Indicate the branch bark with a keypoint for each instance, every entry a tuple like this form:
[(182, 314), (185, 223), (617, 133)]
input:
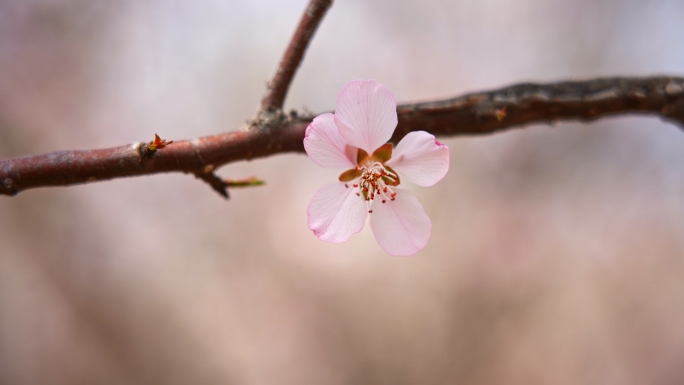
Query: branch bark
[(277, 88), (270, 113), (472, 114)]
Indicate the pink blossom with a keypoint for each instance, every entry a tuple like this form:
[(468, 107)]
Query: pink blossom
[(355, 138)]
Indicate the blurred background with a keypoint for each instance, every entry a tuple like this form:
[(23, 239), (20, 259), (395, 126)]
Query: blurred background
[(557, 253)]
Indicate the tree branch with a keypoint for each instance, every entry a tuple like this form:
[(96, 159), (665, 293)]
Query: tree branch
[(472, 114), (277, 88), (270, 113)]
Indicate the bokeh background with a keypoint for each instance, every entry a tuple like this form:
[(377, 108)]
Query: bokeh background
[(557, 255)]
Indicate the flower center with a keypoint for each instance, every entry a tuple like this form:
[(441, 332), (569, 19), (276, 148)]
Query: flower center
[(375, 181)]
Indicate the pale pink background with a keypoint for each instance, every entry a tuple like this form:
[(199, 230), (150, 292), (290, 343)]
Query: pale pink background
[(557, 255)]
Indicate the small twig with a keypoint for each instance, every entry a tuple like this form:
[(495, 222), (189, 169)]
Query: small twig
[(278, 87), (473, 114), (216, 183), (249, 182), (221, 186)]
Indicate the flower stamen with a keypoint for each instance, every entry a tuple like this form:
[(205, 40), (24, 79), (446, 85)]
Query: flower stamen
[(375, 180)]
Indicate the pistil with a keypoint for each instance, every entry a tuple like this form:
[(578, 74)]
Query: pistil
[(377, 181)]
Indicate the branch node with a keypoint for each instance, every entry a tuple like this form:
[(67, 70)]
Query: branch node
[(216, 183), (158, 143), (8, 187), (673, 89), (266, 120), (144, 152)]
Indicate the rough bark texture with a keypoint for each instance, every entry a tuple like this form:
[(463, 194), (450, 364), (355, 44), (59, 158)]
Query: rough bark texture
[(472, 114)]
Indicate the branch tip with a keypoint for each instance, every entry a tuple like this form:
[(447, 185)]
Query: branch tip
[(221, 185), (249, 182)]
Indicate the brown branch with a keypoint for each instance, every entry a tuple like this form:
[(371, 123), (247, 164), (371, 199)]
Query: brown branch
[(473, 114), (219, 185), (277, 88)]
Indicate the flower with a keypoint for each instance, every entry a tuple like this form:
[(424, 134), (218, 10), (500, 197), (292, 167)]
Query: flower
[(355, 138)]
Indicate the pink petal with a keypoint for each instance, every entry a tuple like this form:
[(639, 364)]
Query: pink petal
[(335, 212), (366, 114), (419, 158), (401, 227), (325, 146)]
